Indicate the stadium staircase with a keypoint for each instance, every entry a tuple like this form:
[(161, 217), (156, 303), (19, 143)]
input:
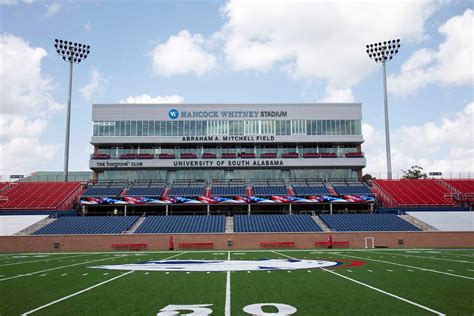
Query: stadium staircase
[(418, 223), (229, 224), (36, 226), (321, 224), (135, 225)]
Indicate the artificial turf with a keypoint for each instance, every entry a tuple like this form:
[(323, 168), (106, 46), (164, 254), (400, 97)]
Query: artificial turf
[(391, 282)]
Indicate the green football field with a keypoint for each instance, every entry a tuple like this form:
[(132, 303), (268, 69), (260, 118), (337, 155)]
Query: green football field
[(357, 282)]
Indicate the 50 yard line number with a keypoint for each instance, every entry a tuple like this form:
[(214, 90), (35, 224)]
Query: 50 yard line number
[(204, 310)]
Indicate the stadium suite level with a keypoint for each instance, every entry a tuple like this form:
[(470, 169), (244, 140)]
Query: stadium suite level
[(227, 141)]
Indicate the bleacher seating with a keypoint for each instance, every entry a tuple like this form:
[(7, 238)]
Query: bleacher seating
[(209, 156), (128, 156), (146, 190), (275, 223), (247, 155), (269, 190), (228, 156), (12, 224), (100, 156), (166, 156), (355, 155), (103, 190), (463, 186), (182, 224), (290, 155), (188, 156), (303, 189), (415, 191), (367, 222), (228, 190), (191, 189), (40, 195), (268, 155), (88, 225), (351, 189), (447, 221), (145, 156)]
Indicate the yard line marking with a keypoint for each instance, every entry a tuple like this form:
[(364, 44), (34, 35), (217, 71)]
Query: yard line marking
[(85, 273), (349, 271), (470, 270), (380, 290), (77, 293), (409, 270), (370, 271), (51, 269), (86, 289), (389, 270), (385, 292), (23, 262), (450, 270), (64, 274), (413, 267), (227, 290), (42, 275), (434, 258)]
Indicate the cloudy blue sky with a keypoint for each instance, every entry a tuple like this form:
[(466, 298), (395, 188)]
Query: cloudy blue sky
[(239, 51)]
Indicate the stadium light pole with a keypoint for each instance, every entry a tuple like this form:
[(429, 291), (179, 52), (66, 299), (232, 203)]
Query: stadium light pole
[(71, 52), (382, 52)]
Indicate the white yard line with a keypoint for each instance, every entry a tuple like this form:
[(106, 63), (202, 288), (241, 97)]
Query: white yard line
[(433, 258), (77, 293), (376, 289), (87, 289), (227, 290), (56, 268), (39, 260), (413, 267)]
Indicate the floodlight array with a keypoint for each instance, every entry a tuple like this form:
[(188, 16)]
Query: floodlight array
[(71, 51), (383, 51)]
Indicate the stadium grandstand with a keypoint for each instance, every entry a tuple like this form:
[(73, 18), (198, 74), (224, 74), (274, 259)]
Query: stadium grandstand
[(229, 169)]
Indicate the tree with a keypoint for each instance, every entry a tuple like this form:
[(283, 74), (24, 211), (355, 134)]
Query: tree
[(415, 172), (367, 178)]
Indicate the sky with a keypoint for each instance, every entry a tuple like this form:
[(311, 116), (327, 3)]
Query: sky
[(240, 52)]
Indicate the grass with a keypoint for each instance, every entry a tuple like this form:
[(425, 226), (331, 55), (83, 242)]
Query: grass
[(392, 282)]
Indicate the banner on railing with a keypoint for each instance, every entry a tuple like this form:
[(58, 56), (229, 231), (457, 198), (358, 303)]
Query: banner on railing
[(131, 200)]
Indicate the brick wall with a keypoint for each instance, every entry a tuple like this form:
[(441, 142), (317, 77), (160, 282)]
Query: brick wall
[(240, 241)]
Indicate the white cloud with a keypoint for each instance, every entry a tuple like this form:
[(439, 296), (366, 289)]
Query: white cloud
[(14, 2), (446, 146), (145, 98), (52, 9), (323, 40), (26, 106), (181, 54), (96, 82), (451, 63), (88, 27), (338, 95)]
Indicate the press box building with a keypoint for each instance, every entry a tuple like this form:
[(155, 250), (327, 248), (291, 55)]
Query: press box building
[(227, 141)]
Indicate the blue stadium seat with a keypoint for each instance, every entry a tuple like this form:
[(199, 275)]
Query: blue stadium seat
[(145, 191), (182, 224), (187, 190), (88, 225), (268, 190), (274, 223), (367, 222), (232, 190), (352, 189), (103, 191), (313, 189)]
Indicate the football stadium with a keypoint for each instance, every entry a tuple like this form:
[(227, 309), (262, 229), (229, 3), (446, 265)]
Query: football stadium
[(234, 209)]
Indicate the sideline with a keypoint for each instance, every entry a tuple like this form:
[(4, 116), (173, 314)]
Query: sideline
[(421, 257), (87, 289), (375, 289), (39, 260), (56, 268), (408, 266)]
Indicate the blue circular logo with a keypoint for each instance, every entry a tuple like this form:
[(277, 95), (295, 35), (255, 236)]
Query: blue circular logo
[(173, 114)]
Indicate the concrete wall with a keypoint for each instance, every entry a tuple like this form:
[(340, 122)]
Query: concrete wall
[(9, 244)]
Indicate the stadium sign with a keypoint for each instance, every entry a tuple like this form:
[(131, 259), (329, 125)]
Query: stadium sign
[(220, 163), (174, 114), (231, 138)]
